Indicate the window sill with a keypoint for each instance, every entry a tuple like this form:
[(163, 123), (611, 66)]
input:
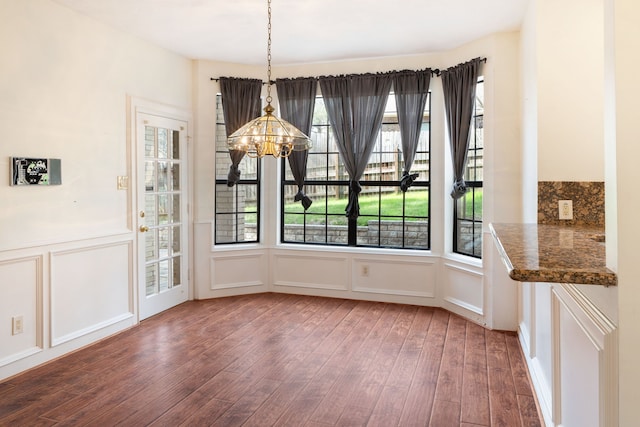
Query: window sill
[(231, 247), (463, 259), (355, 250)]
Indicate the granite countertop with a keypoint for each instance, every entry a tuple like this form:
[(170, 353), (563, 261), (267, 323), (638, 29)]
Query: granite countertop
[(554, 253)]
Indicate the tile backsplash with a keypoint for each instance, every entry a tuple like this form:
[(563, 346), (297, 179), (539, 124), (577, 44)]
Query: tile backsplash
[(587, 197)]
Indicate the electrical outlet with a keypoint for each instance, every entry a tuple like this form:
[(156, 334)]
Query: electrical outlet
[(365, 270), (17, 325), (565, 209)]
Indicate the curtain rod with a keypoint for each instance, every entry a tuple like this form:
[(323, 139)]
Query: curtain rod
[(439, 72), (218, 78), (317, 78), (435, 71)]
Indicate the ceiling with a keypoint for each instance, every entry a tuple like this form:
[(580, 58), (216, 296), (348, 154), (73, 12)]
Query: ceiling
[(305, 31)]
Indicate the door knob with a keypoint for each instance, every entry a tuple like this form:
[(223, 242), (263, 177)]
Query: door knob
[(144, 228)]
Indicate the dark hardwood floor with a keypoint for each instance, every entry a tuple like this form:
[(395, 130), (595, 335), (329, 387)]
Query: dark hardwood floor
[(286, 360)]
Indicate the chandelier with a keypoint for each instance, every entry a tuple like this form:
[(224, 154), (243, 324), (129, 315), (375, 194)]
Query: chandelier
[(268, 134)]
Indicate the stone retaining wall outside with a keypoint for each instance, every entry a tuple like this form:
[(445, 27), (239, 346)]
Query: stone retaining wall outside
[(389, 232)]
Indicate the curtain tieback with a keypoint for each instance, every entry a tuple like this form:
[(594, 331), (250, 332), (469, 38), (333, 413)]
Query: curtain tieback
[(355, 187), (459, 188), (233, 176), (303, 198), (353, 208), (407, 180)]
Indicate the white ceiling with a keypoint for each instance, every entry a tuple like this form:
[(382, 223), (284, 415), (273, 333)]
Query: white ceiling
[(305, 31)]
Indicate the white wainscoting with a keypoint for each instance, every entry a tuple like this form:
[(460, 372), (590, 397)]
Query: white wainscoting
[(395, 277), (525, 310), (541, 340), (500, 291), (310, 271), (404, 277), (585, 356), (462, 290), (571, 350), (91, 288), (20, 295), (70, 294), (238, 269), (356, 275)]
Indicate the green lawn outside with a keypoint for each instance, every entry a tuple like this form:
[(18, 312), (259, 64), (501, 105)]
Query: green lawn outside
[(416, 208), (416, 205), (469, 205)]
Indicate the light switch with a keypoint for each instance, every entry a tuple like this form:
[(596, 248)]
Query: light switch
[(123, 182)]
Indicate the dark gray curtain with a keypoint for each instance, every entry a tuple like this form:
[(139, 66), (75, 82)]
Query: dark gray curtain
[(355, 106), (241, 103), (297, 98), (411, 90), (459, 86)]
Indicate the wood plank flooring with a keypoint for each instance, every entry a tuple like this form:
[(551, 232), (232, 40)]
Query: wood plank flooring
[(283, 360)]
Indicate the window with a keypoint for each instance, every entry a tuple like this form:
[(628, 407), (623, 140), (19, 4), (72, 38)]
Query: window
[(388, 217), (467, 230), (237, 215)]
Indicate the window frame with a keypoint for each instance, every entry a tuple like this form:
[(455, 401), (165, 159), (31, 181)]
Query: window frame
[(473, 186), (238, 215), (352, 228)]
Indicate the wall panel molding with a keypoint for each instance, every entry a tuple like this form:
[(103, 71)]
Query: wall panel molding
[(572, 356), (234, 270), (56, 341), (601, 334), (380, 276), (307, 271), (101, 276), (462, 291), (21, 294)]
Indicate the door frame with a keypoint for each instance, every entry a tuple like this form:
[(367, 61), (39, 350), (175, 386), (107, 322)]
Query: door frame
[(136, 106)]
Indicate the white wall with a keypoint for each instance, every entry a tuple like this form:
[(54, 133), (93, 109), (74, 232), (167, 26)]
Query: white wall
[(502, 174), (568, 84), (437, 277), (67, 255), (579, 339), (626, 33), (529, 121), (204, 104), (570, 94)]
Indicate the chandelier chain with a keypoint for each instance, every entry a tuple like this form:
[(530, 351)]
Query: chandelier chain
[(267, 134), (269, 52)]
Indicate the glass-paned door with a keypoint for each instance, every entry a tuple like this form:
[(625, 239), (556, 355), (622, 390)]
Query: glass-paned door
[(162, 214)]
